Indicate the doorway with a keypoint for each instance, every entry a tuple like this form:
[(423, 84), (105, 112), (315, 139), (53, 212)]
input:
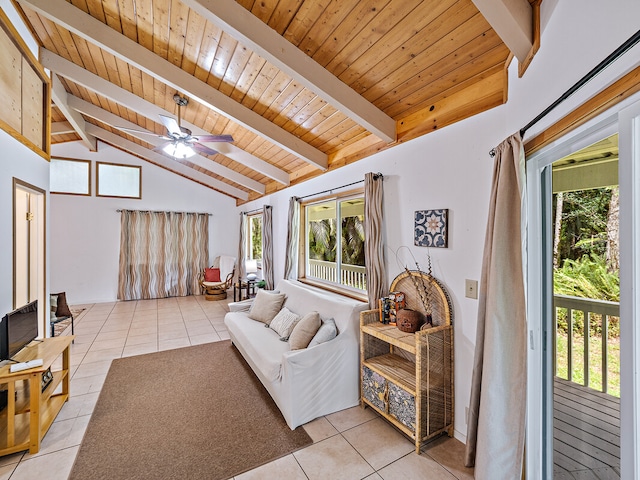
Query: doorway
[(29, 220), (625, 120)]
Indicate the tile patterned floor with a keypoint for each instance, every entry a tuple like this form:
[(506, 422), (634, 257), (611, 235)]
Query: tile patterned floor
[(352, 444)]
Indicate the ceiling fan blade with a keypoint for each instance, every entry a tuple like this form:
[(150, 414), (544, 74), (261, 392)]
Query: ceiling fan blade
[(171, 125), (214, 138), (202, 149)]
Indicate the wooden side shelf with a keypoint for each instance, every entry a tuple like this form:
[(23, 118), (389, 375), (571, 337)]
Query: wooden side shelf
[(30, 411)]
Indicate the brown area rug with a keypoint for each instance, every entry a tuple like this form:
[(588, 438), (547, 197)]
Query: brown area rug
[(61, 326), (190, 413)]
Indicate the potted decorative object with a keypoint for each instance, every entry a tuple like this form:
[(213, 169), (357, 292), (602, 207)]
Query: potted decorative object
[(408, 320)]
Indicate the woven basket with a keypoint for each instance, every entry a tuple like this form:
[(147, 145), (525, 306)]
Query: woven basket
[(440, 303)]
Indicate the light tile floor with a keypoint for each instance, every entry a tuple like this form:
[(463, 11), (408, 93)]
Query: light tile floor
[(352, 444)]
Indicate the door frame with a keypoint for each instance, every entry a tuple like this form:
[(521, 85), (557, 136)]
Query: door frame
[(539, 437), (40, 255)]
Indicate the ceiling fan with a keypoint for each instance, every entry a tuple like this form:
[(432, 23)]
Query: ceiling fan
[(180, 142)]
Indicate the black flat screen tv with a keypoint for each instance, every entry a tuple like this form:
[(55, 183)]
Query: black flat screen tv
[(18, 329)]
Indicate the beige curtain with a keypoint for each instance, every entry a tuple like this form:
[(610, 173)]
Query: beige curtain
[(374, 248), (241, 270), (293, 239), (267, 247), (496, 423), (161, 254)]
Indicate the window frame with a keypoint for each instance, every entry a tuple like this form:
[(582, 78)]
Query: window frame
[(303, 250), (76, 160), (137, 196)]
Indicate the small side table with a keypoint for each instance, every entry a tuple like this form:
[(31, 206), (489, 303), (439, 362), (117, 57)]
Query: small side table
[(248, 286)]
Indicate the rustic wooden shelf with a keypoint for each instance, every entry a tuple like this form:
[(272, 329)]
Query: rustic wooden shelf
[(30, 411)]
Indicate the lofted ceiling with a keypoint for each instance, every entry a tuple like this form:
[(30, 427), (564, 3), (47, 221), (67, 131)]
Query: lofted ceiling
[(303, 86)]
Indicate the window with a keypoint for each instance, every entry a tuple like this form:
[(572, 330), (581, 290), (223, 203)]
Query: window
[(124, 181), (254, 238), (334, 242), (70, 176)]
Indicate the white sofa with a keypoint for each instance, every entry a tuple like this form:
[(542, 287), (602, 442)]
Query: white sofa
[(308, 383)]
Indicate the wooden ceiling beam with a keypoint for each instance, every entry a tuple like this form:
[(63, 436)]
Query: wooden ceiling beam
[(61, 128), (119, 95), (94, 31), (59, 96), (250, 31), (166, 163), (513, 22), (91, 110)]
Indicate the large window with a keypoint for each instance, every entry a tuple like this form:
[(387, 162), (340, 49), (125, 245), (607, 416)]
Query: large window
[(334, 242)]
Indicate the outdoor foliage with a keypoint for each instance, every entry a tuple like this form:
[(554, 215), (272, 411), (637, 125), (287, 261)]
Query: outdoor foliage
[(256, 237), (323, 240)]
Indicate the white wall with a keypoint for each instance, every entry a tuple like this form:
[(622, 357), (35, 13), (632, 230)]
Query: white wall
[(451, 168), (85, 231)]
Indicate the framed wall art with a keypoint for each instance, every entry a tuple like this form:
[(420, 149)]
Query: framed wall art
[(431, 228)]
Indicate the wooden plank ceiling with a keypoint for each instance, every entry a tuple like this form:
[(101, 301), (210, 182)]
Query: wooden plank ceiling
[(423, 64)]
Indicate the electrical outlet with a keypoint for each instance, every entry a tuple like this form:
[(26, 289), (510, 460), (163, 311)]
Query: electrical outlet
[(471, 288)]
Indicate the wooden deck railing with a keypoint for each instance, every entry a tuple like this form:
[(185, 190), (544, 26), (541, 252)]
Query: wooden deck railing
[(350, 275), (588, 307)]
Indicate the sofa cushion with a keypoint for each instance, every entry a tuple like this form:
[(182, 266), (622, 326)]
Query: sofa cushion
[(262, 345), (326, 332), (284, 322), (304, 331), (266, 306)]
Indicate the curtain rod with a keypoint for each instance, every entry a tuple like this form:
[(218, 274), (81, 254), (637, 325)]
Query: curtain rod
[(160, 211), (375, 177), (251, 212), (617, 53)]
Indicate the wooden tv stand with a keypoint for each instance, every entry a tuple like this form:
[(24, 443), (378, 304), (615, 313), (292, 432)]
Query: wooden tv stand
[(29, 412)]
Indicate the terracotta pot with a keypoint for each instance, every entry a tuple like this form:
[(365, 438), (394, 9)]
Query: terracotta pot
[(408, 320)]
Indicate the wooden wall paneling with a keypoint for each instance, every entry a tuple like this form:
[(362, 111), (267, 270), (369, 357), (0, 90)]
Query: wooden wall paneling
[(33, 114), (97, 59), (112, 15), (318, 34), (434, 42), (144, 23), (124, 75), (81, 4), (222, 57), (236, 66), (128, 23), (248, 77), (95, 10), (265, 76), (304, 19), (179, 17), (295, 105), (483, 95), (279, 83), (283, 100), (425, 72), (348, 29), (160, 27), (452, 81), (262, 9), (383, 23), (282, 15), (208, 46), (192, 42), (11, 82)]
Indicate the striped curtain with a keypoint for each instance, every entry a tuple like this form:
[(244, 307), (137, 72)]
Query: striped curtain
[(161, 254), (293, 239), (241, 270), (374, 248), (267, 247)]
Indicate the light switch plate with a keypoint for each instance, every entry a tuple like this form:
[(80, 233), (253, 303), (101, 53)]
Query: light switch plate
[(471, 288)]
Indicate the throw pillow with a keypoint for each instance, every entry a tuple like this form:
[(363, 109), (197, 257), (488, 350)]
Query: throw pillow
[(284, 322), (53, 306), (266, 306), (212, 275), (63, 308), (304, 331), (327, 331)]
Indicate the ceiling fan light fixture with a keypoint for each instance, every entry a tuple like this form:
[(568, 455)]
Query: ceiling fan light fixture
[(179, 150)]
